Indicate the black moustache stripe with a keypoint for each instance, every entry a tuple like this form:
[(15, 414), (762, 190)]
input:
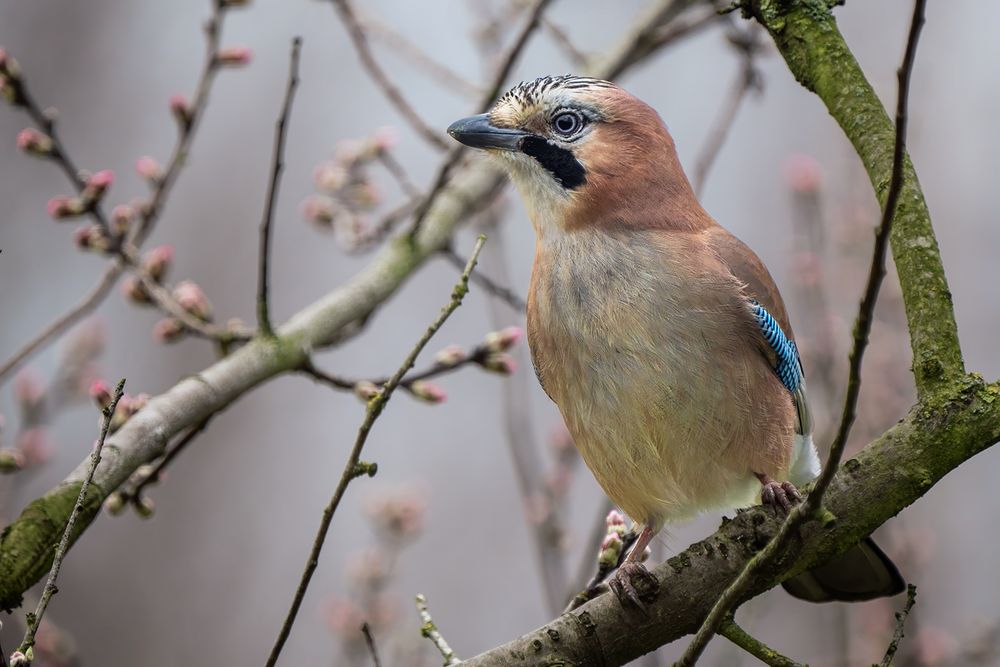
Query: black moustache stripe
[(560, 162)]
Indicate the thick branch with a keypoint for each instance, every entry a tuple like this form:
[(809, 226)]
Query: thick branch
[(807, 37)]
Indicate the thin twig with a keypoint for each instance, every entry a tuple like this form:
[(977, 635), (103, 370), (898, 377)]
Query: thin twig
[(277, 166), (90, 301), (430, 630), (505, 294), (561, 38), (758, 649), (897, 635), (33, 620), (397, 171), (416, 56), (360, 41), (134, 494), (862, 329), (354, 467), (747, 81), (366, 630), (502, 72), (166, 302)]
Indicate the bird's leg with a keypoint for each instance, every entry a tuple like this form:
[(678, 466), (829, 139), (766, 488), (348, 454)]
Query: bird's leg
[(780, 495), (632, 582)]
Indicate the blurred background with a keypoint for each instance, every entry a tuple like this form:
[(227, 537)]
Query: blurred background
[(208, 578)]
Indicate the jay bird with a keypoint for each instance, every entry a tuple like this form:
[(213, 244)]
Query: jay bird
[(660, 335)]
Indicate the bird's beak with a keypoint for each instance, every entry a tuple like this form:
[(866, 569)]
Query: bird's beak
[(478, 132)]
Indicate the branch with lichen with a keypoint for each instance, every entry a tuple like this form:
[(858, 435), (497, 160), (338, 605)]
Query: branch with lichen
[(26, 545)]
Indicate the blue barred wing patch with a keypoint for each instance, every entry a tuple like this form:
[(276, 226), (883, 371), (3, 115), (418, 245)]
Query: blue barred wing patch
[(787, 367)]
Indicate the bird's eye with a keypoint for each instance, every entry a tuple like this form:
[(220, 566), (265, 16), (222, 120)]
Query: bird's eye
[(567, 123)]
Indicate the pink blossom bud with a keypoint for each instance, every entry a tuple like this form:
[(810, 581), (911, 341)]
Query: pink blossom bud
[(611, 550), (803, 173), (192, 299), (366, 390), (60, 208), (121, 218), (450, 356), (427, 391), (319, 210), (90, 237), (168, 330), (11, 460), (100, 392), (503, 340), (234, 56), (96, 186), (8, 66), (180, 109), (615, 521), (362, 196), (33, 142), (330, 176), (149, 169), (501, 363), (385, 138), (157, 261), (133, 290)]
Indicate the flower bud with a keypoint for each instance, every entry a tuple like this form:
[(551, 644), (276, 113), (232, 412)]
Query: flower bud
[(168, 330), (114, 504), (149, 169), (427, 391), (8, 90), (11, 460), (133, 290), (33, 142), (60, 208), (330, 176), (144, 507), (157, 262), (97, 185), (121, 218), (234, 56), (385, 138), (611, 551), (181, 110), (318, 209), (192, 299), (18, 659), (615, 522), (9, 67), (366, 390), (101, 393), (501, 363), (503, 340), (90, 237), (450, 356), (803, 174)]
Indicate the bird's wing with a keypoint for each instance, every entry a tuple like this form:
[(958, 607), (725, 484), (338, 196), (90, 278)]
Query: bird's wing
[(768, 311)]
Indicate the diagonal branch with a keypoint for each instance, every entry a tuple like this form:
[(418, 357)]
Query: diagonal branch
[(354, 467)]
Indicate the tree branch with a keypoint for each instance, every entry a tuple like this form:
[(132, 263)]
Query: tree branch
[(897, 635), (278, 165), (354, 468), (429, 629), (740, 637)]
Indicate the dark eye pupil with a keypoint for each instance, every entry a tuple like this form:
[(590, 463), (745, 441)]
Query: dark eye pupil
[(566, 123)]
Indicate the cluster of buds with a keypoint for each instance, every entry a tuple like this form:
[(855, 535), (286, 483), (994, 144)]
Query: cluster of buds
[(427, 391), (90, 237), (155, 264), (149, 170), (117, 501), (127, 406), (10, 79), (614, 540), (187, 294), (33, 142), (347, 196), (496, 345)]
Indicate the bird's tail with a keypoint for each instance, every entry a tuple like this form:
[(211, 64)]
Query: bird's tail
[(863, 573)]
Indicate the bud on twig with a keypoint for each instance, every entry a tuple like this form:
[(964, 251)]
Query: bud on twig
[(319, 210), (192, 299), (121, 218), (611, 551), (144, 507), (503, 364), (101, 393), (450, 356), (503, 340), (114, 504), (157, 262), (149, 170), (234, 56), (427, 391), (90, 237), (181, 110), (11, 460), (133, 290), (33, 142), (60, 208), (366, 390), (96, 186), (168, 330)]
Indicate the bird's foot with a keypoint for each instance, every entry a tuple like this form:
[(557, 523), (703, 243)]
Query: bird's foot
[(779, 495), (634, 584)]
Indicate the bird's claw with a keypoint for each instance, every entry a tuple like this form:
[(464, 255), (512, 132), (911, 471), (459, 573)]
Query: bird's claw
[(780, 495), (633, 584)]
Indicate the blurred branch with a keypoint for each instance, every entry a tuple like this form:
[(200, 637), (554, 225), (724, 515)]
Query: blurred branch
[(505, 294), (381, 79), (429, 629), (897, 635), (25, 546), (862, 328), (370, 642), (52, 332), (748, 80), (50, 589), (278, 164), (354, 466), (740, 637), (416, 56)]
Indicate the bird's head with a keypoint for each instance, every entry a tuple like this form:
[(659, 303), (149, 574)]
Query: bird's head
[(582, 151)]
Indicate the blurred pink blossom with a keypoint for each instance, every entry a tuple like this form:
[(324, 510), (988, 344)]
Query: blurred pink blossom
[(235, 56), (803, 173)]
